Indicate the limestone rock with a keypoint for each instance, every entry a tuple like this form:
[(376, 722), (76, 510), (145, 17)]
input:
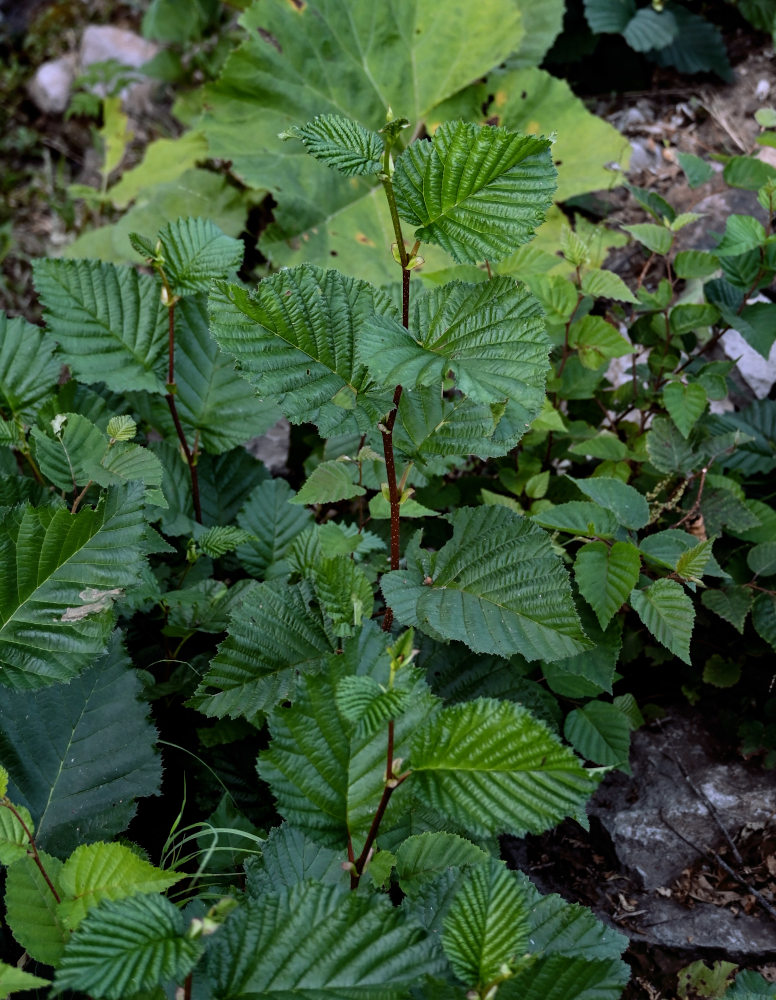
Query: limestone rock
[(50, 86)]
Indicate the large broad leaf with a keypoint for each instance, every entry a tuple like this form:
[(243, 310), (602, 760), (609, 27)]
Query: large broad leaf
[(599, 732), (355, 947), (496, 586), (288, 857), (61, 573), (80, 754), (487, 924), (95, 872), (294, 340), (493, 768), (195, 252), (476, 191), (605, 576), (109, 322), (127, 946), (28, 370), (558, 927), (489, 336), (561, 977), (216, 407), (624, 501), (272, 638), (327, 772), (668, 614)]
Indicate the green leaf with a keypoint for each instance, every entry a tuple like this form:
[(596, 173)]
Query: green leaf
[(28, 368), (486, 926), (558, 927), (748, 172), (668, 613), (592, 672), (685, 404), (761, 559), (362, 699), (693, 563), (695, 264), (757, 327), (423, 857), (269, 515), (560, 977), (742, 233), (657, 239), (604, 445), (492, 767), (344, 593), (688, 316), (478, 192), (222, 538), (650, 29), (342, 144), (696, 170), (31, 908), (109, 322), (294, 340), (96, 872), (606, 285), (609, 16), (195, 252), (326, 772), (489, 336), (668, 449), (626, 503), (720, 672), (596, 341), (579, 517), (329, 482), (14, 842), (61, 573), (13, 980), (289, 858), (121, 428), (215, 405), (162, 20), (356, 947), (126, 946), (273, 637), (605, 576), (731, 603), (764, 618), (80, 754), (496, 586), (599, 732)]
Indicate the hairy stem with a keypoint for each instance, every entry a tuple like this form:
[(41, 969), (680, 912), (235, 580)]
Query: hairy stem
[(33, 847)]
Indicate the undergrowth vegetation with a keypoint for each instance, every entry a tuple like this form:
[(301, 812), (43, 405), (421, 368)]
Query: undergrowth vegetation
[(522, 490)]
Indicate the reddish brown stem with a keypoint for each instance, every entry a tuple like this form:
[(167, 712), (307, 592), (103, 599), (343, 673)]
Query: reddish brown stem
[(33, 848), (170, 397), (79, 498)]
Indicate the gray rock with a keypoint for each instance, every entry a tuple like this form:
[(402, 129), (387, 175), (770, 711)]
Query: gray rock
[(102, 42), (758, 372), (272, 448), (51, 85)]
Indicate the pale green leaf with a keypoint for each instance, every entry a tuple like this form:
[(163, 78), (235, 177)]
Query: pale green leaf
[(273, 637), (356, 947), (14, 841), (222, 538), (342, 144), (604, 445), (294, 339), (478, 192), (596, 341), (423, 857), (695, 264), (28, 368), (164, 160), (269, 515), (126, 946), (344, 593), (61, 573), (579, 517), (96, 872), (685, 404), (13, 980), (657, 239), (496, 586), (605, 576), (109, 322), (80, 754), (489, 336), (195, 252), (668, 614), (493, 768), (600, 732), (329, 482), (606, 285), (692, 564), (487, 925), (626, 503), (122, 428), (742, 234), (31, 908), (696, 170)]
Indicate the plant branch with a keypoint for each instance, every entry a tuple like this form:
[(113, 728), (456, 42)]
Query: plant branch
[(79, 498), (33, 847)]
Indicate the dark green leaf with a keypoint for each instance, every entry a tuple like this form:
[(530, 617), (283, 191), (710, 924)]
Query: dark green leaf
[(668, 613), (626, 503), (605, 576)]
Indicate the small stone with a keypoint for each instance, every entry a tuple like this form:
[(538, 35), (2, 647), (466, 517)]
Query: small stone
[(51, 85), (100, 43)]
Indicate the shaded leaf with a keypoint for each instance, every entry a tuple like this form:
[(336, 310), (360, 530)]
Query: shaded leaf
[(668, 613), (605, 576)]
